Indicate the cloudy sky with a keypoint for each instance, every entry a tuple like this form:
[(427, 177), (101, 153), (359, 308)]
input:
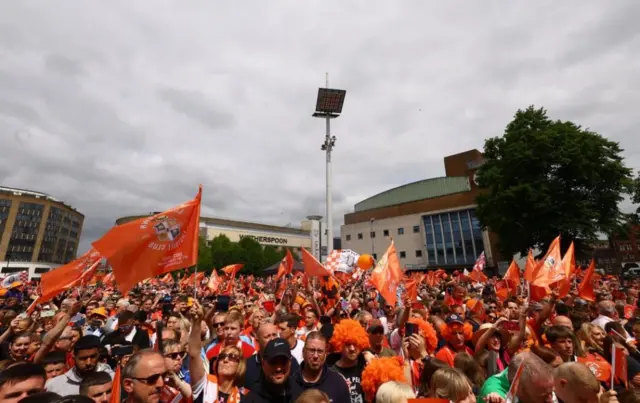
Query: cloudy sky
[(124, 107)]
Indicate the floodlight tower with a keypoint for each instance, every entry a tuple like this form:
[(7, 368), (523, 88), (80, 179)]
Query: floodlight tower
[(329, 106)]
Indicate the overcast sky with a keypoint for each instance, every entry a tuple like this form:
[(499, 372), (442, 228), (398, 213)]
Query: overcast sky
[(124, 107)]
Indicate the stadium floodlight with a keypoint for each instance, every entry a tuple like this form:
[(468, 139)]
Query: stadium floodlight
[(329, 106)]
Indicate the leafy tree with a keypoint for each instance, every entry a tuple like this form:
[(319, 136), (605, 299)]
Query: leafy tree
[(254, 260), (205, 257), (272, 255), (546, 178)]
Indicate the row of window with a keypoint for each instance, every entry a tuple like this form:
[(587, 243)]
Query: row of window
[(372, 234), (402, 254)]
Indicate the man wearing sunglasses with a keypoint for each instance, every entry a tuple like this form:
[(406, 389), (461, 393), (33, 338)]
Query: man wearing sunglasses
[(276, 381), (375, 329), (144, 377), (86, 356)]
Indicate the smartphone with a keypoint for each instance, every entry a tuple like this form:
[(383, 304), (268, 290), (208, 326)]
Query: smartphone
[(47, 314), (120, 351), (410, 328), (222, 305), (511, 325)]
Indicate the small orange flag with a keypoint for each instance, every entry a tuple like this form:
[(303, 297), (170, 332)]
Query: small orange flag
[(68, 276), (387, 275), (115, 387), (567, 270), (530, 267), (214, 281), (411, 286), (512, 277), (232, 269), (549, 270), (153, 245), (312, 267), (585, 289), (286, 266), (619, 365)]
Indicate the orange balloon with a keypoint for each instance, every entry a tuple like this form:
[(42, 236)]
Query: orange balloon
[(365, 262)]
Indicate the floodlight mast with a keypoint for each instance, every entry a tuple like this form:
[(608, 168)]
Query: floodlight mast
[(329, 106)]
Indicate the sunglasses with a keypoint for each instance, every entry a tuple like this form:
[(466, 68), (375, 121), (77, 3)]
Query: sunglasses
[(153, 379), (219, 324), (230, 356), (175, 356)]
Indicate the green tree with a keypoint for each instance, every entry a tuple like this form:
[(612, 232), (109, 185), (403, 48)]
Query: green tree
[(545, 178), (205, 257), (272, 256), (254, 260)]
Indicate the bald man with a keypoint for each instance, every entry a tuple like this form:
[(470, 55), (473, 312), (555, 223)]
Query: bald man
[(561, 320), (575, 383)]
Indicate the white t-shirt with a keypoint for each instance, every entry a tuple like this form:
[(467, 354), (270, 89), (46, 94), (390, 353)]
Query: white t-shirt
[(296, 351)]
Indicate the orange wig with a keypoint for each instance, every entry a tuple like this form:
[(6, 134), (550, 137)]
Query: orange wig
[(445, 330), (379, 371), (349, 331), (428, 332)]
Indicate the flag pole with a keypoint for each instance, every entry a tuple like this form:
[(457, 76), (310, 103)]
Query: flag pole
[(613, 364), (195, 283)]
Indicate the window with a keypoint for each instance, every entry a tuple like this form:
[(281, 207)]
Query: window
[(41, 270), (416, 229), (360, 235), (385, 232), (348, 237), (418, 253), (403, 254), (373, 234), (400, 231)]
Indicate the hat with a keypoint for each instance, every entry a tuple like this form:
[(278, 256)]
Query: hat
[(505, 335), (373, 325), (277, 348), (535, 306), (100, 312), (453, 318)]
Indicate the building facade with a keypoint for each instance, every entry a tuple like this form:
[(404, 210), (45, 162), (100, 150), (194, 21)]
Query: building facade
[(432, 222), (37, 232), (307, 236)]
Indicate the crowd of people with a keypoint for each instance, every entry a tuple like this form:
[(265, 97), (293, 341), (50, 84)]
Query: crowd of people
[(319, 341)]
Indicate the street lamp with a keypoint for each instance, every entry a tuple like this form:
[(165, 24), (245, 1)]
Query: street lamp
[(329, 106)]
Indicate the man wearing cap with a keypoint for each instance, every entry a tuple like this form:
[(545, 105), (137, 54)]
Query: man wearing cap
[(276, 383), (456, 333), (86, 356), (375, 329), (97, 318)]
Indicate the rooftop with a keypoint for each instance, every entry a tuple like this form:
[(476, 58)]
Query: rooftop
[(32, 193), (420, 190)]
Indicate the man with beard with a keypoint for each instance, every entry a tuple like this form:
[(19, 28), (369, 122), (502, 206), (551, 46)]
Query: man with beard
[(315, 374), (127, 331), (86, 356), (276, 383), (350, 340)]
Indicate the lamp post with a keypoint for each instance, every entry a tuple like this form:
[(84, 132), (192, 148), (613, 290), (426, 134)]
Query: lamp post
[(329, 106)]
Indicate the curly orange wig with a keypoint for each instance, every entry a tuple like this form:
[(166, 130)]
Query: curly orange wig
[(379, 371), (349, 331), (445, 330), (428, 332)]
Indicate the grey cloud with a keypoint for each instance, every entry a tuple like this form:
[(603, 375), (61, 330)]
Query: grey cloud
[(129, 113), (64, 65), (196, 106)]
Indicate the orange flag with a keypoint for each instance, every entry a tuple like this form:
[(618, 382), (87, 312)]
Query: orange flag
[(286, 266), (619, 365), (232, 269), (585, 289), (167, 279), (411, 286), (312, 267), (530, 267), (478, 268), (154, 245), (214, 281), (567, 269), (549, 270), (387, 275), (512, 277), (115, 387), (68, 276), (502, 290)]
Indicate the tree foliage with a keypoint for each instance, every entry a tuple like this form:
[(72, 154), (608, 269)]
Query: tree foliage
[(546, 178), (220, 252)]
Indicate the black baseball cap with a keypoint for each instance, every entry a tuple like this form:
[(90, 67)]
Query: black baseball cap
[(277, 348)]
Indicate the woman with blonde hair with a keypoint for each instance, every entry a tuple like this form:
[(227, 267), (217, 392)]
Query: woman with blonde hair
[(313, 396), (223, 386), (394, 392), (451, 384), (592, 338)]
